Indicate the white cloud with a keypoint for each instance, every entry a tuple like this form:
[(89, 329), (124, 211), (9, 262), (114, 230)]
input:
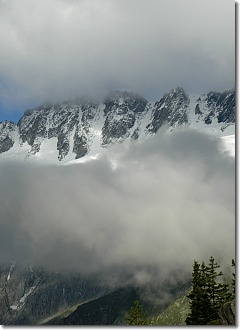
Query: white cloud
[(170, 201), (60, 49)]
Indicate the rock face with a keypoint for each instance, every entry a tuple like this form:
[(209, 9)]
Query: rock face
[(7, 135), (122, 110), (227, 313), (172, 109), (29, 296), (76, 129)]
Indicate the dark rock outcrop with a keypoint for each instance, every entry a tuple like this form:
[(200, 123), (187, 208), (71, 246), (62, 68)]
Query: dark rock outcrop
[(7, 135), (171, 109), (227, 313)]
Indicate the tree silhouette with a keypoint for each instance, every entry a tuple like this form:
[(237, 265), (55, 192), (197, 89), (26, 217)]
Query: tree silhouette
[(136, 315), (208, 293)]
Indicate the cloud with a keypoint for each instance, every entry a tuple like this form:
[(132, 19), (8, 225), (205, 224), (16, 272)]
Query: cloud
[(170, 200), (62, 49)]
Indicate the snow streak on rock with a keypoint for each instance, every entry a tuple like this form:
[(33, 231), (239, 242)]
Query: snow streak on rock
[(72, 130)]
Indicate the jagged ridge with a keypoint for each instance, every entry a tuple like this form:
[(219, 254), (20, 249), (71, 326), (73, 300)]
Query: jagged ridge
[(85, 126)]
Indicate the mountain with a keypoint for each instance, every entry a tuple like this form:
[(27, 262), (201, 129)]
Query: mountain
[(71, 130), (67, 131), (29, 295), (110, 309), (35, 296)]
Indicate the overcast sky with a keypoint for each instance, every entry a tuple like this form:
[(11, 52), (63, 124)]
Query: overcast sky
[(51, 50), (170, 200)]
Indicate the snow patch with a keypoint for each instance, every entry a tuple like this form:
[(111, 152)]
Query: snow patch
[(11, 269), (22, 300)]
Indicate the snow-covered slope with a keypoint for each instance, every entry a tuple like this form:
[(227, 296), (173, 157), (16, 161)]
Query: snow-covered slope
[(75, 130)]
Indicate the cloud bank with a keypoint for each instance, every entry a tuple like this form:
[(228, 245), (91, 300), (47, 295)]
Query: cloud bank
[(58, 49), (170, 200)]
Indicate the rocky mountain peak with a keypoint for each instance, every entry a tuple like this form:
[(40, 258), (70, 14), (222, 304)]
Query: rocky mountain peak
[(177, 98), (172, 109), (122, 101), (218, 107), (84, 126)]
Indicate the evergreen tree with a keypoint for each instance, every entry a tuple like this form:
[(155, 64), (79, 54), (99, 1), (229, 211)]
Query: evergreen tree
[(137, 316), (208, 293), (200, 303), (218, 292)]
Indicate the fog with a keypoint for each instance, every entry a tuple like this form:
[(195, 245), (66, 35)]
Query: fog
[(147, 208)]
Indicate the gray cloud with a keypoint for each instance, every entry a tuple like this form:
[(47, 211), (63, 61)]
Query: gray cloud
[(60, 48), (169, 201)]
